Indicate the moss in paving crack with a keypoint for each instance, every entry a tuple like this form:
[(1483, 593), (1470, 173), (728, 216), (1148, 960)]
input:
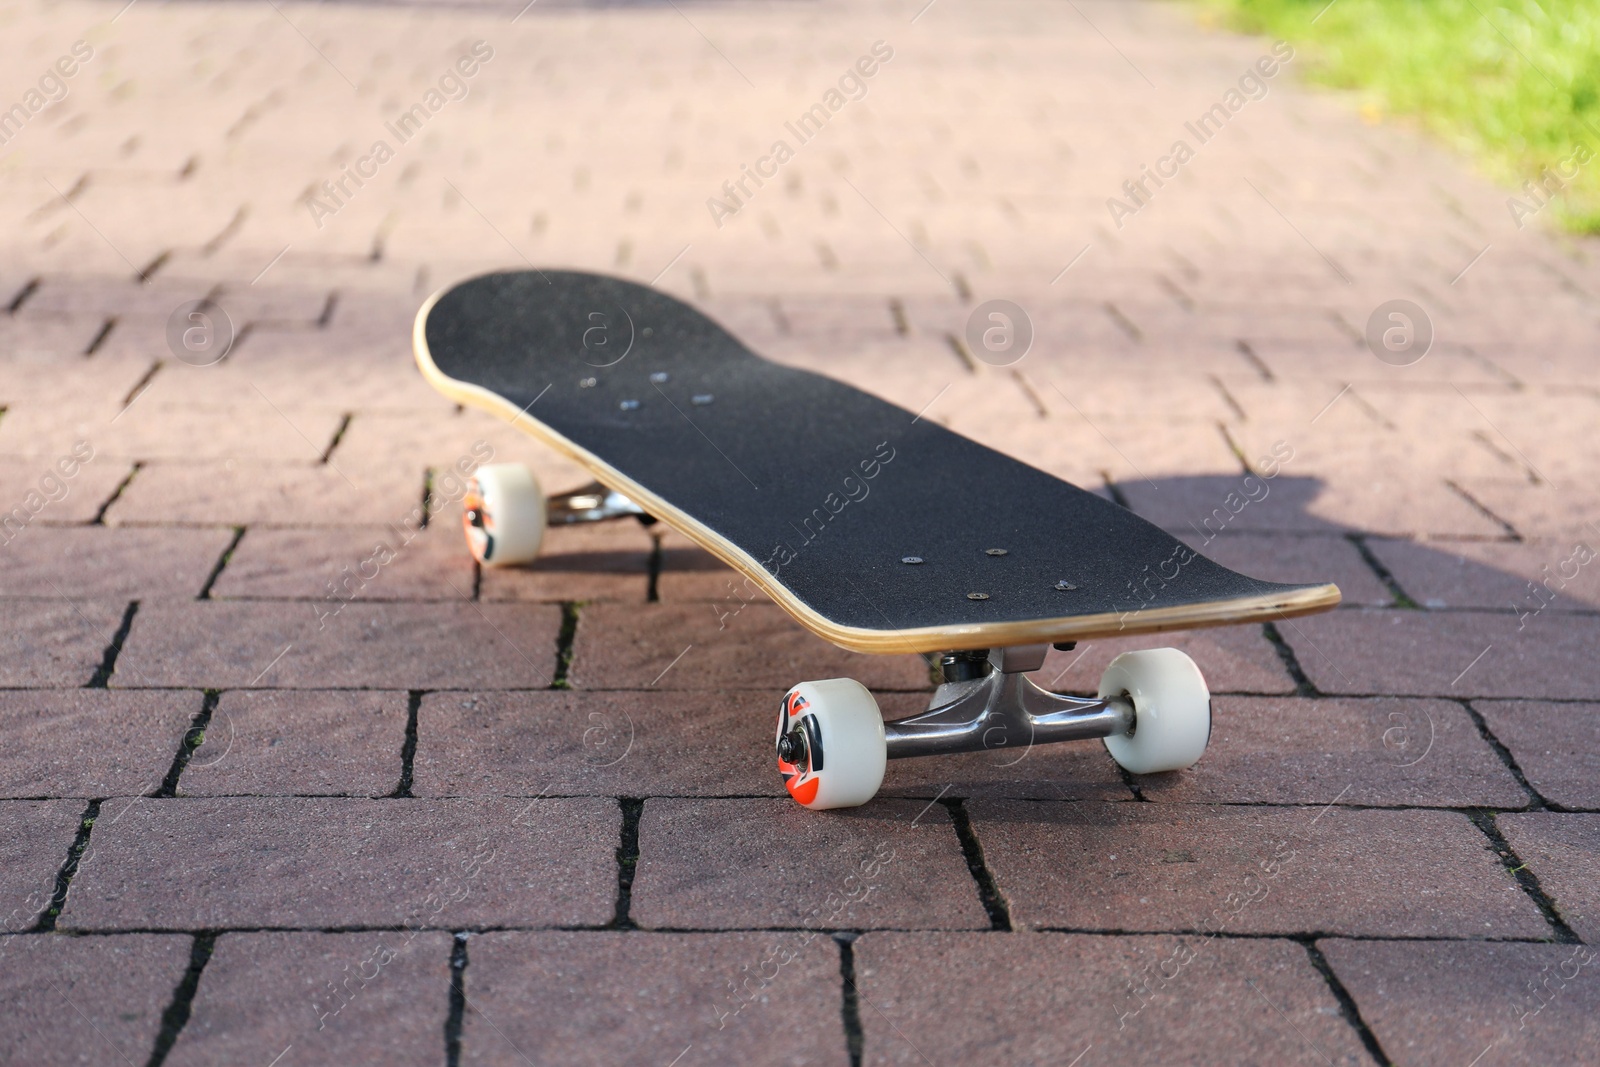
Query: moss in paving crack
[(80, 843), (1526, 880), (627, 861), (564, 642), (192, 739)]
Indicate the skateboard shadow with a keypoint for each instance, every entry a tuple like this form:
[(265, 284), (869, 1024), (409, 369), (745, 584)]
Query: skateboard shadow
[(1281, 530)]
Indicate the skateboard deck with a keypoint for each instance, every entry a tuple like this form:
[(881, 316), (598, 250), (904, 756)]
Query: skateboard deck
[(877, 529)]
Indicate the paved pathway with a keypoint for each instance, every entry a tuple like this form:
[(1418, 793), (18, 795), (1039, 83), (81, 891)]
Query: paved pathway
[(290, 782)]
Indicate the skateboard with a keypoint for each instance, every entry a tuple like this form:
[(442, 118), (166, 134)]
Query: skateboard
[(875, 528)]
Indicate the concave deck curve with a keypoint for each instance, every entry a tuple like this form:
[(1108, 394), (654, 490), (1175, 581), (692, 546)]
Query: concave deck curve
[(815, 490)]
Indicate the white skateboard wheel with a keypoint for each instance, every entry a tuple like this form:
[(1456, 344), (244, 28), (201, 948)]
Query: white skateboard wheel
[(831, 747), (503, 514), (1171, 710)]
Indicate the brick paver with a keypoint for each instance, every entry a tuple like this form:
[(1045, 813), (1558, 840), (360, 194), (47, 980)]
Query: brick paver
[(91, 742), (1374, 499), (335, 643), (236, 494), (1561, 851), (34, 339), (1455, 1002), (1250, 870), (35, 486), (608, 744), (960, 998), (1493, 574), (298, 742), (88, 999), (324, 998), (57, 642), (1554, 746), (370, 863), (728, 998), (1387, 751), (100, 562), (757, 863), (249, 428), (1560, 513), (286, 367), (1453, 654), (38, 834), (552, 786), (375, 563)]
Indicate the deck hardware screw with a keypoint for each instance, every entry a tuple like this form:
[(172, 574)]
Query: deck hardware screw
[(702, 399), (586, 383), (994, 551), (977, 596), (659, 377), (910, 559), (630, 405), (1065, 586), (647, 331)]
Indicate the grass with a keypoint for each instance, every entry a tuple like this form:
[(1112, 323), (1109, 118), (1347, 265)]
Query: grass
[(1514, 83)]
